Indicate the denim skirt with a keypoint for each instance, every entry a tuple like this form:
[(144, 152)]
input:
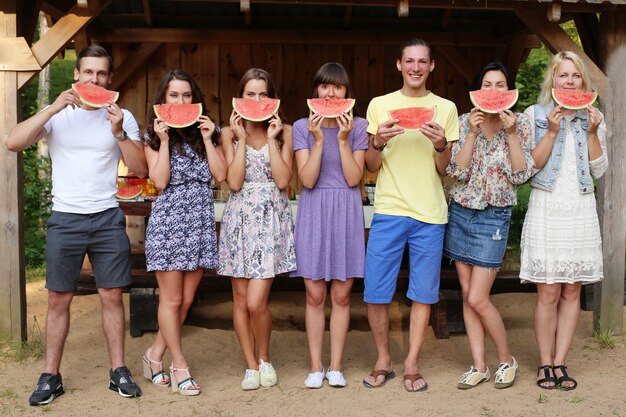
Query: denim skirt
[(477, 237)]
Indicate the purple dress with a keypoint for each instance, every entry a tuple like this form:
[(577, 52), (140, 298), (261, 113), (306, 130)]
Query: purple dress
[(329, 233)]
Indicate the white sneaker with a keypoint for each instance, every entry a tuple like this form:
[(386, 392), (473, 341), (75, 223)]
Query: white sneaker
[(268, 375), (472, 378), (336, 379), (251, 380), (315, 379), (505, 375)]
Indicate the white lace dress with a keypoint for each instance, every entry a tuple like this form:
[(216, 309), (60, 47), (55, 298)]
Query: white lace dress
[(561, 240)]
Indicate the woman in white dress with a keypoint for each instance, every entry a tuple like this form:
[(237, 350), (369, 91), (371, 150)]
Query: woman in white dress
[(561, 246)]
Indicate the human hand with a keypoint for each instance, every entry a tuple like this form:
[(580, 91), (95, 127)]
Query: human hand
[(162, 130), (476, 119), (509, 121), (315, 126), (554, 120), (346, 124), (275, 127), (594, 119), (207, 127), (435, 133), (386, 131), (236, 125), (116, 117), (66, 98)]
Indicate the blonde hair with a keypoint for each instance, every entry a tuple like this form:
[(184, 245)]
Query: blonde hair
[(545, 96)]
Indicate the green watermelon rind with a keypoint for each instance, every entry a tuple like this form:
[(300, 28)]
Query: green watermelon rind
[(267, 114), (164, 112), (123, 194), (344, 105), (592, 97), (393, 115), (485, 108), (84, 90)]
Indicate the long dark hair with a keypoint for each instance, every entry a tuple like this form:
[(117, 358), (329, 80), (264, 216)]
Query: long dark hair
[(260, 74), (190, 134), (492, 66)]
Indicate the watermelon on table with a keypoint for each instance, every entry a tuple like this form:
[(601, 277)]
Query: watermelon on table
[(492, 101), (412, 118), (94, 95), (573, 99), (129, 192), (330, 107), (256, 110), (178, 115)]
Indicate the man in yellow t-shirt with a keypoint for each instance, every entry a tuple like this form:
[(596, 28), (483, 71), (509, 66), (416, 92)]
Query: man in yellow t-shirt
[(410, 207)]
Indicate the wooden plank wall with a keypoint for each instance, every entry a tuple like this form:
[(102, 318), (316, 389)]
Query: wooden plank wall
[(219, 67)]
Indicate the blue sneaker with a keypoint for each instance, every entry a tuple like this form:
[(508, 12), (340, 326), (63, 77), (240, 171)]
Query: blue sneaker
[(48, 388), (122, 381)]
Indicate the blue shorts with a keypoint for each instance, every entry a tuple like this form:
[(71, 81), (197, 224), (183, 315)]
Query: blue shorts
[(102, 236), (385, 247), (477, 237)]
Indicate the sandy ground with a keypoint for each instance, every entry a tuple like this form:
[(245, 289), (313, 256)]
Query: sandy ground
[(218, 366)]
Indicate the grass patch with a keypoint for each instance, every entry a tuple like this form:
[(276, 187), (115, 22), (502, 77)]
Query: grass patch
[(542, 399), (604, 338), (35, 274), (8, 394), (18, 351)]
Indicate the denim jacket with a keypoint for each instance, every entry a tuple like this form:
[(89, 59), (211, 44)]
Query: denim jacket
[(546, 177)]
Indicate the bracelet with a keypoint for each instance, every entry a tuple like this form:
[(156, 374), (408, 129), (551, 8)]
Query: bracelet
[(379, 148), (443, 148)]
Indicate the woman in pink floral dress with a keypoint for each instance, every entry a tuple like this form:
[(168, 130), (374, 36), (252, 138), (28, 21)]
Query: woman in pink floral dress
[(256, 236), (491, 158)]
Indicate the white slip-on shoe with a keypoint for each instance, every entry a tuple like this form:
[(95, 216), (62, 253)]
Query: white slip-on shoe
[(268, 377), (472, 378), (251, 380), (315, 379), (336, 379), (505, 375)]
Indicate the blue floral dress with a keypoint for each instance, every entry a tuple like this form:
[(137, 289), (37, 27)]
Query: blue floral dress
[(256, 233), (181, 229)]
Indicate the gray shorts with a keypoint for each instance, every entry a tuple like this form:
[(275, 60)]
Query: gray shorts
[(102, 236)]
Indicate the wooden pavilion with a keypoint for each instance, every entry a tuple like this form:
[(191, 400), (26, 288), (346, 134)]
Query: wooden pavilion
[(217, 41)]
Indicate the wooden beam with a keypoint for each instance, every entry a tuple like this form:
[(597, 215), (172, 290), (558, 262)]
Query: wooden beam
[(515, 53), (27, 14), (12, 272), (553, 11), (445, 18), (83, 4), (81, 40), (588, 29), (244, 6), (347, 16), (135, 61), (459, 62), (403, 8), (61, 33), (15, 55), (52, 10), (553, 36), (147, 14), (608, 312)]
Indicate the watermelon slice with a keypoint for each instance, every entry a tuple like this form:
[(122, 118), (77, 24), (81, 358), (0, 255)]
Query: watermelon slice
[(330, 108), (256, 110), (573, 99), (93, 95), (129, 192), (492, 101), (412, 118), (178, 115)]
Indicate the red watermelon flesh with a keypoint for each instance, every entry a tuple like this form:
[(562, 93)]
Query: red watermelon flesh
[(330, 108), (178, 115), (573, 99), (412, 118), (492, 101), (256, 110), (93, 95), (128, 192)]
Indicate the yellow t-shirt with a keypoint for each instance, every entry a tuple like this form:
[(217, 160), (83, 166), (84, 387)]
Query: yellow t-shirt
[(408, 183)]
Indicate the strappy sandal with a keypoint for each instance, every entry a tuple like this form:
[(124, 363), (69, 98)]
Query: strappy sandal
[(546, 377), (185, 387), (158, 378), (564, 378)]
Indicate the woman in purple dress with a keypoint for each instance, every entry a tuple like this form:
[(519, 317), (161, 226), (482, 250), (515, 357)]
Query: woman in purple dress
[(329, 233)]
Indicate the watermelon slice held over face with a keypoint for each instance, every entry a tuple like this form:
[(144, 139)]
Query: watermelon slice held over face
[(178, 115), (256, 110), (129, 192), (412, 118), (330, 108), (93, 95), (573, 99), (492, 101)]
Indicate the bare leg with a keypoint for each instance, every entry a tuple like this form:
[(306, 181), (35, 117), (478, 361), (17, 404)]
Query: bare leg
[(113, 323), (315, 319), (378, 318), (567, 319), (57, 327), (420, 314), (474, 328), (241, 321), (548, 296), (260, 315), (339, 321)]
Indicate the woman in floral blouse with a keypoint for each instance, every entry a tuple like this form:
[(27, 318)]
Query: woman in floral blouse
[(491, 158)]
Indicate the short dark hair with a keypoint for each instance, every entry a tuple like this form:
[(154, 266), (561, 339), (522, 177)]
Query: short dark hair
[(95, 51), (332, 73), (492, 66), (416, 42)]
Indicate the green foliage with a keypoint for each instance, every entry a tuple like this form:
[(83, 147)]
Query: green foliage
[(518, 213), (18, 351), (604, 338)]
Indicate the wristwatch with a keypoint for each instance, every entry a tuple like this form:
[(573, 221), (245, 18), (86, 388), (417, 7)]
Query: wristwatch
[(379, 148), (443, 148), (122, 137)]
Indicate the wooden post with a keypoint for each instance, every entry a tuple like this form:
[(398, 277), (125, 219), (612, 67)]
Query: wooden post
[(608, 312), (12, 274)]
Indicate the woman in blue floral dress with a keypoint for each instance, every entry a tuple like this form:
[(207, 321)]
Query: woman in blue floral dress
[(180, 239), (256, 233), (490, 159)]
